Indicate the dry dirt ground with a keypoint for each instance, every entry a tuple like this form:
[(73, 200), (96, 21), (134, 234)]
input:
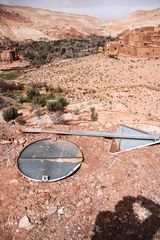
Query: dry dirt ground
[(111, 197), (14, 65), (130, 84)]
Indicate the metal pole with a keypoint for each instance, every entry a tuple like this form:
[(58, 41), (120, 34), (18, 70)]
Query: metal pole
[(98, 134)]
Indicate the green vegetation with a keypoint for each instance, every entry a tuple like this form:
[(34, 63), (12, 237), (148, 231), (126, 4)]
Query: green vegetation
[(32, 93), (10, 75), (62, 100), (41, 52), (14, 95), (10, 113), (57, 104), (53, 99), (54, 105), (40, 100)]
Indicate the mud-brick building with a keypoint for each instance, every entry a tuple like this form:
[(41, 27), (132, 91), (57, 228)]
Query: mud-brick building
[(8, 56), (141, 42)]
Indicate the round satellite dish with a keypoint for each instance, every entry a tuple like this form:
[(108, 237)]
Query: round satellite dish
[(48, 160)]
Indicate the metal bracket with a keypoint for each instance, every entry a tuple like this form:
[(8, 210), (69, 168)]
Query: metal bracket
[(45, 178)]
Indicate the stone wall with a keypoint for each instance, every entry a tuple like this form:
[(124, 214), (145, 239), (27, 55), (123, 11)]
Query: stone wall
[(142, 42), (8, 56)]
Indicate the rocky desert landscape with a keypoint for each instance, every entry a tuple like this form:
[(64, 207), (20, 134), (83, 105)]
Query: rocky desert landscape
[(139, 18), (30, 23), (111, 196)]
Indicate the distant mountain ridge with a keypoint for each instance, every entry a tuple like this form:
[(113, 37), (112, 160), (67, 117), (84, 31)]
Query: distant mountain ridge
[(21, 23), (137, 19)]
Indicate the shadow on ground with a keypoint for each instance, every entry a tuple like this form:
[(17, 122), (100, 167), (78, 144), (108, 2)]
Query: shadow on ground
[(133, 219)]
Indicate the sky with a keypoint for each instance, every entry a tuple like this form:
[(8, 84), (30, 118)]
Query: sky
[(103, 9)]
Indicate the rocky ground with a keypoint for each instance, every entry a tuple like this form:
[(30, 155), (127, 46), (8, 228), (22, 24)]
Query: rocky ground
[(110, 197), (128, 84)]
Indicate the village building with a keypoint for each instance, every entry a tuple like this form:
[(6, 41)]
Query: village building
[(8, 56), (140, 42)]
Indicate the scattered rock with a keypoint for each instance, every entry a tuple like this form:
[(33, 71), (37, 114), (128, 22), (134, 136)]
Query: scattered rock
[(13, 181), (5, 142), (51, 209), (69, 117), (22, 141), (15, 141), (25, 223), (88, 200), (61, 211), (99, 192)]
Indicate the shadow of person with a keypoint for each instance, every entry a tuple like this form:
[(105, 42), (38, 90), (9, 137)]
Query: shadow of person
[(133, 219)]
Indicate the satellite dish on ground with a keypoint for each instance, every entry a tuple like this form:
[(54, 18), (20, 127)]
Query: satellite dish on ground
[(48, 160)]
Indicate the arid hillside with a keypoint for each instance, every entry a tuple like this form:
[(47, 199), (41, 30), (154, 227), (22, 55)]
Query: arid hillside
[(119, 84), (137, 19), (23, 23)]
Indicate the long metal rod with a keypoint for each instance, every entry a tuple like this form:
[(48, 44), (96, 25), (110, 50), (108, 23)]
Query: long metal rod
[(98, 134)]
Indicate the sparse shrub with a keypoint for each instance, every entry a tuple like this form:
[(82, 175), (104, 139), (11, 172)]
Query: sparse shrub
[(10, 113), (32, 93), (16, 95), (22, 99), (10, 86), (57, 104), (54, 105), (63, 100), (39, 100), (94, 115)]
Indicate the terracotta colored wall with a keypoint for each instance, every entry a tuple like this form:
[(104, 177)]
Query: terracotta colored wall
[(9, 56), (143, 42)]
